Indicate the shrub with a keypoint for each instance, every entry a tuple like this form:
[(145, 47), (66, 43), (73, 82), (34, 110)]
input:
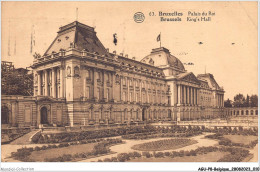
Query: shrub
[(122, 157), (193, 153), (107, 160), (114, 159), (137, 154), (159, 155), (146, 154), (37, 148), (167, 153)]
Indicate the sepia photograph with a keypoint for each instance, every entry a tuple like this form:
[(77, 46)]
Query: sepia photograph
[(134, 81)]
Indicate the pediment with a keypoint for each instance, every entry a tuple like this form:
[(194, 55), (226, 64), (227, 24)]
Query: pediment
[(189, 77)]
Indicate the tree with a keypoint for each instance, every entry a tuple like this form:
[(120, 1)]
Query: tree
[(239, 100), (246, 103), (254, 101), (227, 103), (14, 83)]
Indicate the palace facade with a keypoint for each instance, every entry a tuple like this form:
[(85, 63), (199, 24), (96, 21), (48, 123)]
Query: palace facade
[(79, 82)]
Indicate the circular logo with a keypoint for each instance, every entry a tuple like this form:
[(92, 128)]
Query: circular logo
[(139, 17)]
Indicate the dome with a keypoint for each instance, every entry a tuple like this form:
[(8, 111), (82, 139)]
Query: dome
[(161, 57)]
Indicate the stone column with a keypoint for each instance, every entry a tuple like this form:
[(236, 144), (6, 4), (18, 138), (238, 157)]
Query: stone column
[(113, 87), (53, 83), (134, 93), (179, 93), (185, 93), (188, 95), (62, 78), (95, 84), (39, 83), (196, 95), (105, 86), (46, 82), (128, 93), (192, 96)]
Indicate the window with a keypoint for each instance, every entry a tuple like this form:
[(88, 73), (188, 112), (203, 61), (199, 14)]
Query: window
[(108, 77), (143, 84), (108, 93), (98, 94), (99, 76), (88, 74), (131, 97), (252, 112), (137, 97), (130, 82), (144, 98), (87, 93), (76, 71), (163, 99), (124, 81), (124, 96), (68, 71)]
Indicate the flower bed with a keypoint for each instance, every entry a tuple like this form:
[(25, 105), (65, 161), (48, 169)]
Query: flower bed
[(143, 136), (86, 135), (228, 140), (164, 144), (235, 154), (9, 135), (101, 147)]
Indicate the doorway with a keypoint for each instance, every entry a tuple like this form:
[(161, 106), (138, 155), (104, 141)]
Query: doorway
[(4, 115), (44, 115)]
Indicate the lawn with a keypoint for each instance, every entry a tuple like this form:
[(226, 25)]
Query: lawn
[(240, 138), (39, 156), (209, 157), (167, 144)]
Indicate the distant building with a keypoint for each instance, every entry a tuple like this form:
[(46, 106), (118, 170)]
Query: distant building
[(79, 82)]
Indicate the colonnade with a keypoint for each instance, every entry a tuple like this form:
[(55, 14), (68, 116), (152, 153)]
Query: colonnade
[(187, 95), (220, 100), (50, 83)]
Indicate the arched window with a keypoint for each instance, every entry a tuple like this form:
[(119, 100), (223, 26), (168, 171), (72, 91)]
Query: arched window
[(242, 112), (76, 71), (69, 71), (238, 112), (252, 112), (169, 113), (246, 112)]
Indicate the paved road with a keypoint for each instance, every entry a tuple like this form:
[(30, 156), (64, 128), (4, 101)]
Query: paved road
[(127, 147)]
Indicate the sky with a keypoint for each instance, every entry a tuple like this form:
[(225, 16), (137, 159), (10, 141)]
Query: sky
[(229, 48)]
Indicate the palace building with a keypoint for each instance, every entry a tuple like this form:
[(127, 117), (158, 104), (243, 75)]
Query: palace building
[(78, 82)]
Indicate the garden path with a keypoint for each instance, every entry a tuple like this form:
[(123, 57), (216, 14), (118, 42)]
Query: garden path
[(24, 140), (127, 147)]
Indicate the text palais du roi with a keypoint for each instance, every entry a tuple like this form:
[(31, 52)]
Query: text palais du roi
[(171, 16), (190, 16), (200, 16)]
